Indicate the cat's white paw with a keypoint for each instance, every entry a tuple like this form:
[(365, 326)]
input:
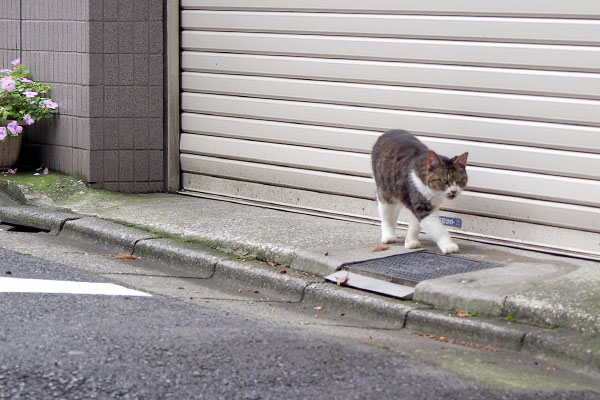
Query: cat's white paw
[(387, 239), (412, 243), (449, 247)]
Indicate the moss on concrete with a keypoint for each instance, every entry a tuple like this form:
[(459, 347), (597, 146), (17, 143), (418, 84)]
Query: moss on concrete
[(63, 191), (235, 251), (30, 188), (66, 192)]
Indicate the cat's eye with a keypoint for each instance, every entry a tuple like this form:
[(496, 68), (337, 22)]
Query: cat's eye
[(459, 180), (444, 180)]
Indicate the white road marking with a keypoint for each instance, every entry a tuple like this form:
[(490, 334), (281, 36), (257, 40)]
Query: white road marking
[(20, 285)]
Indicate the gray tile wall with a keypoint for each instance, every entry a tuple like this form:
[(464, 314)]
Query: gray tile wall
[(11, 32), (104, 62)]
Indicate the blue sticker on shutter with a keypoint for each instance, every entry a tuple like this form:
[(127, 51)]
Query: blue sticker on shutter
[(451, 222)]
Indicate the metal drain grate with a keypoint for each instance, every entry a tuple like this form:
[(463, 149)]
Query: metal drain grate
[(412, 268)]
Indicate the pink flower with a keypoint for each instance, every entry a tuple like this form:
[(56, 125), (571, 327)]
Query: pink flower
[(5, 71), (12, 171), (16, 62), (30, 94), (2, 132), (26, 80), (8, 83), (14, 128), (50, 104), (46, 171), (28, 120)]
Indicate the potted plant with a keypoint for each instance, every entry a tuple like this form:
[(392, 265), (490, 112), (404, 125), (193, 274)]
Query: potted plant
[(22, 102)]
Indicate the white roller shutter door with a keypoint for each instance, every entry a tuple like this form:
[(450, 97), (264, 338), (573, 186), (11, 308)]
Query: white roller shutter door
[(282, 101)]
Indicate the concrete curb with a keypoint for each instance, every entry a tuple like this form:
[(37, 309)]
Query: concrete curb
[(384, 312), (14, 190), (106, 232), (36, 218), (183, 257), (451, 296), (290, 284), (544, 313), (494, 333)]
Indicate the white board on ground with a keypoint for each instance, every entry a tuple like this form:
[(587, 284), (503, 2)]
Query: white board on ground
[(21, 285), (372, 285)]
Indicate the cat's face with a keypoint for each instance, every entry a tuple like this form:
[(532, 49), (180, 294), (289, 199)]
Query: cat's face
[(448, 177)]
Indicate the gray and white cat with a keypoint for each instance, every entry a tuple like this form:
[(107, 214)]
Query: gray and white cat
[(407, 173)]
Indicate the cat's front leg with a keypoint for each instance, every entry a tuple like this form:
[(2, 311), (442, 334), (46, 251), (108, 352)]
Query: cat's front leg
[(388, 212), (433, 226), (412, 235)]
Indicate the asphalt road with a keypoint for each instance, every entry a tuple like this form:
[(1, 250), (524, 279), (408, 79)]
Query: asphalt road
[(194, 340)]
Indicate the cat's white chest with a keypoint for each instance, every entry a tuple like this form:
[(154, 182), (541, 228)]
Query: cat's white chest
[(421, 187), (434, 197)]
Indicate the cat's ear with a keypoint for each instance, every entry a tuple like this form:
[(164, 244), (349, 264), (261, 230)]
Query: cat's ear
[(461, 160), (433, 160)]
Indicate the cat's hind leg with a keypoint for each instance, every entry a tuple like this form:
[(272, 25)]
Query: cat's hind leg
[(412, 236), (388, 212), (433, 226)]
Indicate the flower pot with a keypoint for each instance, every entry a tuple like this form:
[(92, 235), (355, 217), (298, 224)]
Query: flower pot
[(9, 150)]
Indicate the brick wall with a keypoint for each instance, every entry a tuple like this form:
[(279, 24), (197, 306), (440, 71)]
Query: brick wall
[(104, 62)]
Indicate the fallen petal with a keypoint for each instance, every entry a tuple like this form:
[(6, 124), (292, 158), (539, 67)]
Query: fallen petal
[(341, 280), (124, 256), (379, 247)]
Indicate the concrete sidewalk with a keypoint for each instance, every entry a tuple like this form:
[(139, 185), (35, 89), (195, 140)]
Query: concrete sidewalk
[(544, 304)]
